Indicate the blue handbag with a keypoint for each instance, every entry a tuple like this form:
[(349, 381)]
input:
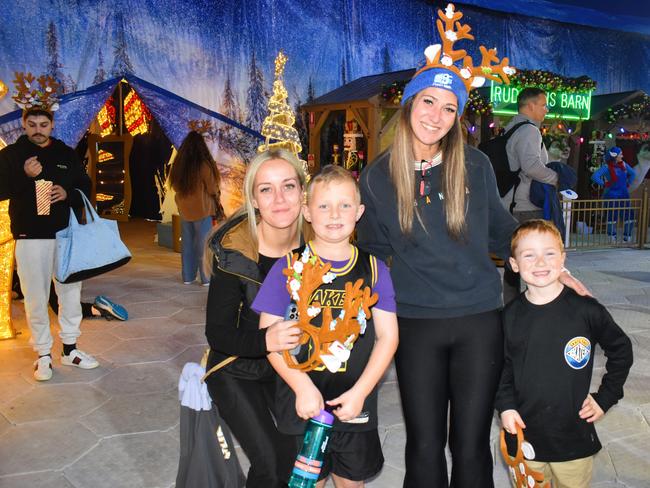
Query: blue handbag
[(87, 250)]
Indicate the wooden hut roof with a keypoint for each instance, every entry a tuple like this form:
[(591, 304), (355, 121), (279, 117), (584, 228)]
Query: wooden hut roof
[(362, 88)]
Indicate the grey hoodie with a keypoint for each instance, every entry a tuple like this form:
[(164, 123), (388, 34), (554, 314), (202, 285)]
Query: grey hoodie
[(526, 152)]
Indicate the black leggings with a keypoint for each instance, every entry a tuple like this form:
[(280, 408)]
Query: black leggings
[(450, 364), (246, 407)]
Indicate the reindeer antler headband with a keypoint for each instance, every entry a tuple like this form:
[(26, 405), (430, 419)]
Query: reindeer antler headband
[(440, 70), (304, 275), (28, 95)]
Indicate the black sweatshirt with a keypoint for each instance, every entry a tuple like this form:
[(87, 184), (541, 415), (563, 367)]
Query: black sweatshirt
[(434, 275), (547, 371), (60, 166)]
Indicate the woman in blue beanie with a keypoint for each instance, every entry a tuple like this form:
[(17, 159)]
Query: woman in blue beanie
[(433, 210), (616, 175)]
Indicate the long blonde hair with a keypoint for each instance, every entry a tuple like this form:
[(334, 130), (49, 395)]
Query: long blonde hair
[(453, 175), (248, 207)]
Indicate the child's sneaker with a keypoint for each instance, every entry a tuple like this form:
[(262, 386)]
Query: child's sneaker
[(79, 359), (110, 310), (43, 368)]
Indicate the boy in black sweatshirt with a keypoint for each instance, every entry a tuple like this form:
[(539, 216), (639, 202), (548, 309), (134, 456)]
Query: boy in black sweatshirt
[(550, 338)]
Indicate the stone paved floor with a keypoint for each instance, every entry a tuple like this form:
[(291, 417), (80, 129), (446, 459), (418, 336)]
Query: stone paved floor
[(117, 426)]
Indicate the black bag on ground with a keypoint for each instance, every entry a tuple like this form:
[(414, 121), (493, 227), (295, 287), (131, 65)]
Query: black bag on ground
[(495, 149), (208, 458)]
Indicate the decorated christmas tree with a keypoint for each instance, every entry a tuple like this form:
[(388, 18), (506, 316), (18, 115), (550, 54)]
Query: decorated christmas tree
[(278, 125)]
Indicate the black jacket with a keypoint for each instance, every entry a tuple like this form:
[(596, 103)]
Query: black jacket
[(232, 327), (434, 275), (61, 166)]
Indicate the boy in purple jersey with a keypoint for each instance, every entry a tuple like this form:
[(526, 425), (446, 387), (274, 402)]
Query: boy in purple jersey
[(354, 451)]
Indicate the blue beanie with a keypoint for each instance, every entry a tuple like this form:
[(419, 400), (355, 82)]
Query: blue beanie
[(438, 78), (612, 153)]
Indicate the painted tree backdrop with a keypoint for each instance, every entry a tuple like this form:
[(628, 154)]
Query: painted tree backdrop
[(220, 53)]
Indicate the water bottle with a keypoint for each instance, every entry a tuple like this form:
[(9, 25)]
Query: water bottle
[(310, 459)]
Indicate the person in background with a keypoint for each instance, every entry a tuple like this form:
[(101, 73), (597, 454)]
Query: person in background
[(615, 176), (240, 253), (559, 150), (526, 154), (38, 156), (102, 306), (194, 178)]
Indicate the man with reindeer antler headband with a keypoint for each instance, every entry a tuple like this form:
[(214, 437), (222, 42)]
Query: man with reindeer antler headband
[(432, 206), (39, 175), (346, 313)]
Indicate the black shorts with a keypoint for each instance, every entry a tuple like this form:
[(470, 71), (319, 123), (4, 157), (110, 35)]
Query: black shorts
[(355, 456)]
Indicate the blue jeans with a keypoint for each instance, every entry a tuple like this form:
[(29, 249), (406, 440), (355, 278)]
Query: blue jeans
[(619, 210), (193, 235)]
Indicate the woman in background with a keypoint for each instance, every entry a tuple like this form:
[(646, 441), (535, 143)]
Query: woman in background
[(194, 177)]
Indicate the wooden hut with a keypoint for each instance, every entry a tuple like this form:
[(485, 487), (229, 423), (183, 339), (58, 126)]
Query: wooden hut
[(360, 100)]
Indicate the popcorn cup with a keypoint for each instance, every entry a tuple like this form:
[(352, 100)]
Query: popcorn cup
[(43, 196)]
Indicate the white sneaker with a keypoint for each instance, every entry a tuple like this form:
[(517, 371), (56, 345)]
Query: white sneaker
[(79, 359), (43, 368)]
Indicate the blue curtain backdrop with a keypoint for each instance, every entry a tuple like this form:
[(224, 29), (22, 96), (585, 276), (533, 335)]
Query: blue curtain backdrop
[(194, 50)]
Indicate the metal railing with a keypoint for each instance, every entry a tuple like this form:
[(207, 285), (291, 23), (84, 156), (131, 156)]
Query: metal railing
[(605, 223)]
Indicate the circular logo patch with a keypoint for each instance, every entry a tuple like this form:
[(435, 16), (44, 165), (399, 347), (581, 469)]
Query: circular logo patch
[(577, 352)]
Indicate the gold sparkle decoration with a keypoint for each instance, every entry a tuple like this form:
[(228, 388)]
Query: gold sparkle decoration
[(7, 245), (136, 114), (280, 61), (104, 156), (104, 122), (278, 125)]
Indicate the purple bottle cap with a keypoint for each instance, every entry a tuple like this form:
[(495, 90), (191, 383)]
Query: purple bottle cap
[(324, 418)]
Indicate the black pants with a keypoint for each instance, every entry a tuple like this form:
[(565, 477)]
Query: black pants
[(246, 407), (449, 365)]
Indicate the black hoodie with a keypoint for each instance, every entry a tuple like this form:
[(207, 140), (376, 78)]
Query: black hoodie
[(61, 166)]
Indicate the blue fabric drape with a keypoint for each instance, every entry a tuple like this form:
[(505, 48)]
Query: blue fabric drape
[(624, 15), (202, 49), (76, 112), (174, 113)]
